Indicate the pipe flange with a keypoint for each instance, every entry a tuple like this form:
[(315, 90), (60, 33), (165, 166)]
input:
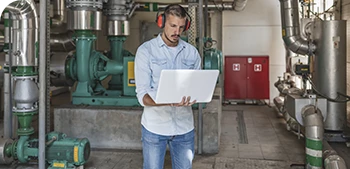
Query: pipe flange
[(84, 4), (113, 7), (25, 110), (32, 78), (3, 144)]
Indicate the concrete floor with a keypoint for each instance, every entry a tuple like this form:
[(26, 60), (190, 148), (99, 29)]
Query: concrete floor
[(252, 137), (267, 145)]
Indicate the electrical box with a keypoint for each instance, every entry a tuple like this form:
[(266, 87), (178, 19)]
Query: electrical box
[(246, 77)]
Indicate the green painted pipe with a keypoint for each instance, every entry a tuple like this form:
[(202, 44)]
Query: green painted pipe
[(116, 42), (84, 40), (116, 45), (20, 149), (25, 120)]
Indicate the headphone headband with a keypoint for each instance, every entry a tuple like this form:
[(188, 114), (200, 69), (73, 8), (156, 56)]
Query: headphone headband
[(160, 19)]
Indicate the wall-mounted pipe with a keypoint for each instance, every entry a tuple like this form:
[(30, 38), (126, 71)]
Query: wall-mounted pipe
[(290, 28)]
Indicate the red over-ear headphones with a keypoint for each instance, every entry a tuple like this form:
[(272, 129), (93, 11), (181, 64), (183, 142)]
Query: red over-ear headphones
[(160, 19)]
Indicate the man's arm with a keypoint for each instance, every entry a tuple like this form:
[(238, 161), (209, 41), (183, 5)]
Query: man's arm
[(143, 79), (148, 101)]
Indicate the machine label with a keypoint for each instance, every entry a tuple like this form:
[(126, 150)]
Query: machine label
[(131, 74), (76, 154), (236, 67), (257, 68), (60, 165)]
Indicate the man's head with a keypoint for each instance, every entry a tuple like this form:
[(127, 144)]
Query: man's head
[(174, 22)]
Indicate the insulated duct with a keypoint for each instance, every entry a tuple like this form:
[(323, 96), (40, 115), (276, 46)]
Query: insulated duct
[(60, 38), (290, 28), (59, 13), (62, 42), (25, 28)]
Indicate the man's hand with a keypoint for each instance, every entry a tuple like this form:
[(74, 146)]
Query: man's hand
[(184, 102)]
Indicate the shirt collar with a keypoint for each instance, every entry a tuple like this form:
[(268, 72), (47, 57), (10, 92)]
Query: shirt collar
[(162, 43)]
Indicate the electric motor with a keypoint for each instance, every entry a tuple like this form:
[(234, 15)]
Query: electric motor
[(66, 150)]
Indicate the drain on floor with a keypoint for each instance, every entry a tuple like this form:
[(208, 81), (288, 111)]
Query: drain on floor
[(243, 139)]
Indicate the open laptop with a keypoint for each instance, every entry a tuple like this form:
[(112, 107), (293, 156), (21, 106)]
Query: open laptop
[(174, 84)]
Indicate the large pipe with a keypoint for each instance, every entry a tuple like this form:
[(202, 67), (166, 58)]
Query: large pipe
[(290, 28), (25, 24), (331, 158), (8, 130), (42, 85), (151, 6), (59, 13), (62, 42), (60, 39), (313, 122)]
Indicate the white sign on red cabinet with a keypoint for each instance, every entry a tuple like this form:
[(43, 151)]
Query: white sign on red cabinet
[(257, 68), (236, 67)]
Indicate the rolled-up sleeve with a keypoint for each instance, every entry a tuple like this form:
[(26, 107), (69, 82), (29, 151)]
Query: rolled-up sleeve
[(143, 74)]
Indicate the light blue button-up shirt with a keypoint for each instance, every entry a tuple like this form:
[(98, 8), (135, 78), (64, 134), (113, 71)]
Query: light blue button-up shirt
[(152, 57)]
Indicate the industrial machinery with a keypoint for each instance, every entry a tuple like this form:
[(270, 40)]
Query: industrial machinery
[(21, 73), (312, 92), (74, 63)]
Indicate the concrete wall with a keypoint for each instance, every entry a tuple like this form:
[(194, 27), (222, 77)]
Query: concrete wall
[(120, 128), (346, 16)]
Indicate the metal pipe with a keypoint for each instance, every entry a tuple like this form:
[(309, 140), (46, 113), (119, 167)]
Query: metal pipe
[(25, 24), (42, 84), (59, 13), (239, 5), (62, 42), (200, 47), (331, 158), (313, 122), (290, 28), (289, 55), (7, 81), (151, 6)]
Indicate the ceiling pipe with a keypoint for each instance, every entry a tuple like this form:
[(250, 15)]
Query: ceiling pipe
[(221, 6), (290, 28)]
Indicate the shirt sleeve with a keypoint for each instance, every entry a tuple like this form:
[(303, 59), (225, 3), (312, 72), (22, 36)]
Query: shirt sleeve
[(143, 74)]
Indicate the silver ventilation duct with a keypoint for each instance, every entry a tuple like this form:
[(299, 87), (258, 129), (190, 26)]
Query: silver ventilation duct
[(25, 32), (290, 28)]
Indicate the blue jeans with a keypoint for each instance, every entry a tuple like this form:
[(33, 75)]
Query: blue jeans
[(154, 148)]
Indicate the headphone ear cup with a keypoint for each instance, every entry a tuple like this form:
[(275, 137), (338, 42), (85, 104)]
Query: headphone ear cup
[(187, 25), (160, 21)]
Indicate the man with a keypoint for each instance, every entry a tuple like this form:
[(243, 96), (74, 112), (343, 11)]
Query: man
[(166, 124)]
